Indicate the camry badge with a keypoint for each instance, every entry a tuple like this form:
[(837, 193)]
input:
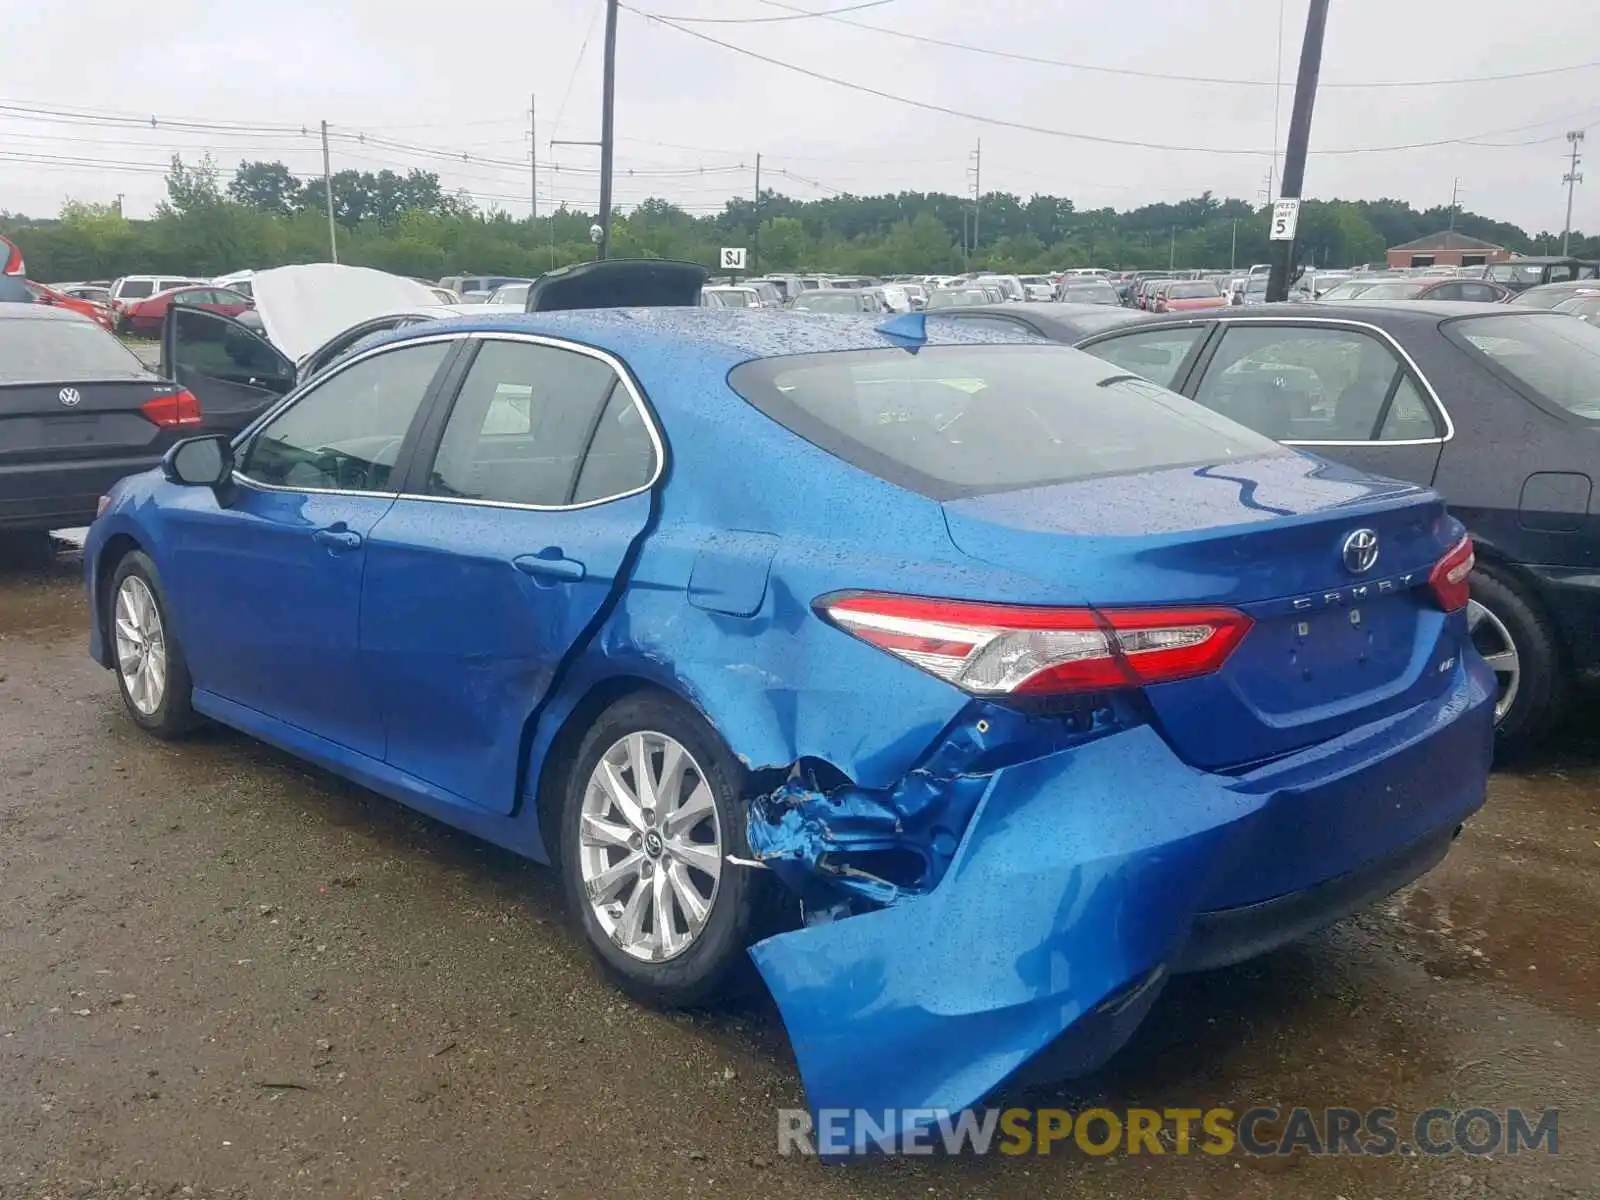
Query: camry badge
[(1360, 551)]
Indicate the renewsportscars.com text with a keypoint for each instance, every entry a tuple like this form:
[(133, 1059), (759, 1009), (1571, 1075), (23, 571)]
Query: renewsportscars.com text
[(1258, 1132)]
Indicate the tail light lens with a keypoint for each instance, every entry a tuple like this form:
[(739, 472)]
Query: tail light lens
[(11, 258), (1001, 649), (1448, 579), (177, 411)]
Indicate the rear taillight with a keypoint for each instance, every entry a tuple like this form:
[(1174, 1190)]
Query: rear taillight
[(11, 258), (177, 411), (1002, 649), (1448, 579)]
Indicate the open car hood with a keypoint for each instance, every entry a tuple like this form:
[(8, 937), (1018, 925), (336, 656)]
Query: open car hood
[(302, 307), (619, 283)]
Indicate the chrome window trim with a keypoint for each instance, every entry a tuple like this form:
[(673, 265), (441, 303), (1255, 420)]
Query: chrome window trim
[(624, 376), (1367, 327), (310, 388)]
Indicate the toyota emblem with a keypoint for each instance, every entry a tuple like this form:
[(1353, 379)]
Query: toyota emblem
[(1360, 551), (69, 397)]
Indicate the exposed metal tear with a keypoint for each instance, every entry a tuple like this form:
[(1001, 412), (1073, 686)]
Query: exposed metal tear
[(846, 849)]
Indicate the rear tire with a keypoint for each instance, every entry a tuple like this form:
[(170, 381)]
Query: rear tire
[(649, 941), (1514, 636), (146, 657)]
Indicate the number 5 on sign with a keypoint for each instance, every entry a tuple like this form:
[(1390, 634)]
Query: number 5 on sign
[(1285, 216), (733, 258)]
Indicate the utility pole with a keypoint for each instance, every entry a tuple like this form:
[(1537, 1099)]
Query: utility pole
[(755, 240), (120, 195), (327, 187), (1172, 247), (608, 98), (1294, 156), (976, 171), (1572, 178), (1455, 197), (533, 157), (1233, 248)]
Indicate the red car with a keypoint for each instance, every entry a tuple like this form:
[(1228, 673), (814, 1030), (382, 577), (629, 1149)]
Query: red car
[(1188, 295), (98, 313), (144, 317)]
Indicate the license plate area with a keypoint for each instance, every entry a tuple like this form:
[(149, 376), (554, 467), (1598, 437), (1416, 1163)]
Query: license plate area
[(1328, 656)]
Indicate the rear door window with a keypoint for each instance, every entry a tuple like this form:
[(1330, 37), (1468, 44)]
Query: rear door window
[(1305, 383), (136, 289), (520, 425), (956, 421), (1157, 354)]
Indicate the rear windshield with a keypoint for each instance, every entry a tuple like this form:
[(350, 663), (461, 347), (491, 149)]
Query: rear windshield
[(1399, 290), (76, 351), (956, 421), (1090, 293), (957, 299), (839, 301), (1191, 291), (137, 289), (1515, 273), (1554, 358), (1546, 297)]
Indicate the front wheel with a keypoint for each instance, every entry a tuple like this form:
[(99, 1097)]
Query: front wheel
[(653, 807), (149, 664)]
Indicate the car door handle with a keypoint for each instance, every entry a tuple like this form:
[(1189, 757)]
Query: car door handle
[(549, 564), (337, 539)]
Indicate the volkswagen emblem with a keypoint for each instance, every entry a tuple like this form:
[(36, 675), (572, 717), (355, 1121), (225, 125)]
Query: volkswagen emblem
[(69, 397), (1360, 551)]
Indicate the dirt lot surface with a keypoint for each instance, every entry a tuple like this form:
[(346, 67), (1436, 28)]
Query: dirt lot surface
[(226, 974)]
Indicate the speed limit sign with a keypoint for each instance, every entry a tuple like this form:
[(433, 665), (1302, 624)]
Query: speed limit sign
[(1285, 216)]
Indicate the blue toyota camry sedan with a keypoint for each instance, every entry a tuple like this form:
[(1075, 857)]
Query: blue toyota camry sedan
[(969, 688)]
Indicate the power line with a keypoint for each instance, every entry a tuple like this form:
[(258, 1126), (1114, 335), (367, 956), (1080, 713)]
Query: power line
[(799, 14), (1000, 122), (577, 63), (1170, 76), (929, 107)]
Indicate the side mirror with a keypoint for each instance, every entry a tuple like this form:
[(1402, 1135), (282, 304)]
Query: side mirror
[(199, 462)]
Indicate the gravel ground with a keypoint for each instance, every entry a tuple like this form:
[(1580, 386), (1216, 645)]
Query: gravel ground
[(227, 974)]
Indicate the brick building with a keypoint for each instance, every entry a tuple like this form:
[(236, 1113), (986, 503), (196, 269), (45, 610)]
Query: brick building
[(1447, 249)]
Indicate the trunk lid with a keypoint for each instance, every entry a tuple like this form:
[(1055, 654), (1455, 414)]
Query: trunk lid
[(50, 422), (1331, 647)]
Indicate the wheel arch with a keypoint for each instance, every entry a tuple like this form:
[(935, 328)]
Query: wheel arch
[(551, 757), (117, 547)]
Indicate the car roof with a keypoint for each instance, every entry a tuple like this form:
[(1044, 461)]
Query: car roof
[(726, 336), (1381, 312), (37, 312)]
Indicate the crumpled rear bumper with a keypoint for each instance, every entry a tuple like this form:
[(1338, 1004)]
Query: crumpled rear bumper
[(1074, 892)]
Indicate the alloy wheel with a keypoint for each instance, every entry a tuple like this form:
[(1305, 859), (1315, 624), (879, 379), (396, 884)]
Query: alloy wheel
[(650, 846), (1492, 639), (141, 646)]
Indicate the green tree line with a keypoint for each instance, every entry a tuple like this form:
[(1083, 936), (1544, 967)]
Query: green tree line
[(265, 216)]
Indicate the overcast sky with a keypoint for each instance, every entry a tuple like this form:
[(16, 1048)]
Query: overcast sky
[(457, 78)]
